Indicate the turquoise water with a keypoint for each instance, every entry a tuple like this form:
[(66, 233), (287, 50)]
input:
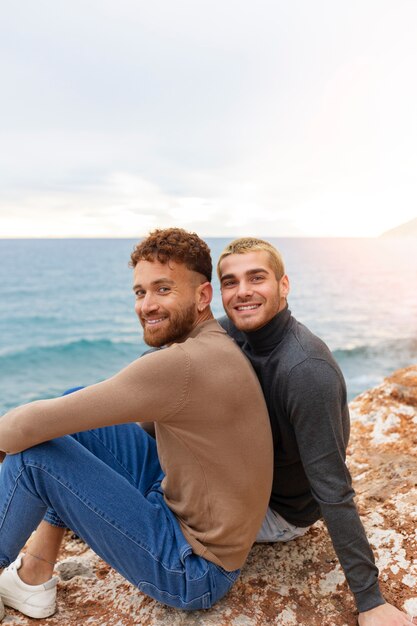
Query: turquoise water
[(66, 309)]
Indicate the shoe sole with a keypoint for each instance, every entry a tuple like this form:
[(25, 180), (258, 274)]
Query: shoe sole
[(36, 612)]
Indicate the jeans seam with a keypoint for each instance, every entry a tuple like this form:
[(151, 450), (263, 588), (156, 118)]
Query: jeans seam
[(202, 597), (100, 515), (10, 496), (231, 576), (54, 520), (197, 578)]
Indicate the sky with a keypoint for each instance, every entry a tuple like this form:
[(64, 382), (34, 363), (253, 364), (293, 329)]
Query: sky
[(267, 118)]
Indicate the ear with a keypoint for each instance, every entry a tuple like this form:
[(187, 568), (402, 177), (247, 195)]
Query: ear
[(204, 296), (284, 286)]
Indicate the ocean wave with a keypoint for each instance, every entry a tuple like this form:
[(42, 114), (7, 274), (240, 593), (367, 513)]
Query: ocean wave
[(404, 345), (79, 347), (365, 366), (72, 348)]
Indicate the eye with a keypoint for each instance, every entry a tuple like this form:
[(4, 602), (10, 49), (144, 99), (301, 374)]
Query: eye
[(257, 278), (163, 290), (228, 283), (139, 293)]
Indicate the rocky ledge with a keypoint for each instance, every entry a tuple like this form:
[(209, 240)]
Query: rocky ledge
[(300, 583)]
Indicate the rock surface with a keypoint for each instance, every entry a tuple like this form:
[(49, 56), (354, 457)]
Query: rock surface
[(300, 583)]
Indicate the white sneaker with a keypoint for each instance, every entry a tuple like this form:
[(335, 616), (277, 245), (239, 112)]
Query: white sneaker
[(31, 600)]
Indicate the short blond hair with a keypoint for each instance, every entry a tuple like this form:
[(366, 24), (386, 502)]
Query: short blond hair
[(250, 244)]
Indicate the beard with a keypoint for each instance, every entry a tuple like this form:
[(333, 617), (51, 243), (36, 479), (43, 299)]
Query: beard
[(176, 326)]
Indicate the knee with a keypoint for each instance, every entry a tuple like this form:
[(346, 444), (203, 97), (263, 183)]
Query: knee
[(49, 451), (35, 453)]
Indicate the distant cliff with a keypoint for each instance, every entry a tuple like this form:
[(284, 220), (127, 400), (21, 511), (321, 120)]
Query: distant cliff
[(296, 584), (409, 229)]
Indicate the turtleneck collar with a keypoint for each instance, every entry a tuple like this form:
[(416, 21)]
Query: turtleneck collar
[(266, 338)]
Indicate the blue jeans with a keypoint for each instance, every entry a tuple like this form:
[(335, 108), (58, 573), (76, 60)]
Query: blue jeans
[(104, 484)]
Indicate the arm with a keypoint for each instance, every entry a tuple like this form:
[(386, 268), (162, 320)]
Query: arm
[(316, 405), (149, 427), (149, 389)]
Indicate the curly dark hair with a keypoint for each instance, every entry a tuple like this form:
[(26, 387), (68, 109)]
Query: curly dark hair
[(175, 244)]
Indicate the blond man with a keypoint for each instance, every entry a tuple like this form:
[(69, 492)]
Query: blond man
[(306, 397)]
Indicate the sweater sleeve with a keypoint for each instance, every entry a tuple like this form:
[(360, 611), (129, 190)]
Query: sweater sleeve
[(152, 388), (315, 401)]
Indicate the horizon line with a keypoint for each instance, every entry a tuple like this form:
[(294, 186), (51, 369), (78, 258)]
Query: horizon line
[(81, 237)]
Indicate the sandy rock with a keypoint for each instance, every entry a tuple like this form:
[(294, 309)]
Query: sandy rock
[(75, 566), (300, 583)]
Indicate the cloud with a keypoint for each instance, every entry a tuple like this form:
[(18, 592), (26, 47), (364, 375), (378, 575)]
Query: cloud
[(268, 118), (126, 205)]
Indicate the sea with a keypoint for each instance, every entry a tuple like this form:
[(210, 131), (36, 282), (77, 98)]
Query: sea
[(67, 316)]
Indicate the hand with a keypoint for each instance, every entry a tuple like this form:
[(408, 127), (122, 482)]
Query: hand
[(385, 615)]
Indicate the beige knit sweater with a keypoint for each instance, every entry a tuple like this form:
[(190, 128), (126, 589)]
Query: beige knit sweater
[(212, 428)]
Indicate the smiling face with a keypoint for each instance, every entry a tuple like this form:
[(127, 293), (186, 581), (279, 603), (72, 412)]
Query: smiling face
[(251, 293), (170, 301)]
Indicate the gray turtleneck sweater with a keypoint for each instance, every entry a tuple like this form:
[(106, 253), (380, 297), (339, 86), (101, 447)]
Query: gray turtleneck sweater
[(306, 397)]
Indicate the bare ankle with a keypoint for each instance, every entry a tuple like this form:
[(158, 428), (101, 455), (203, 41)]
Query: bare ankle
[(35, 571)]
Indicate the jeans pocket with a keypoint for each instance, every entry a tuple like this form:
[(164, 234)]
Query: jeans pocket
[(222, 581), (175, 600)]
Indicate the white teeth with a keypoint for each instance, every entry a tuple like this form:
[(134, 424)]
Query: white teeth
[(154, 321), (248, 307)]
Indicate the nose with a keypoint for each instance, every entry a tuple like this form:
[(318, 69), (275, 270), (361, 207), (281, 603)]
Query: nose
[(244, 289), (147, 304)]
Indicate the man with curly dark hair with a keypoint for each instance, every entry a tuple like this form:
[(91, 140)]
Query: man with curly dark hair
[(171, 514), (167, 246), (175, 244)]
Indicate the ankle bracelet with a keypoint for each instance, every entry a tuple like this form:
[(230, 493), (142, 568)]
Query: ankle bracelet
[(40, 558)]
